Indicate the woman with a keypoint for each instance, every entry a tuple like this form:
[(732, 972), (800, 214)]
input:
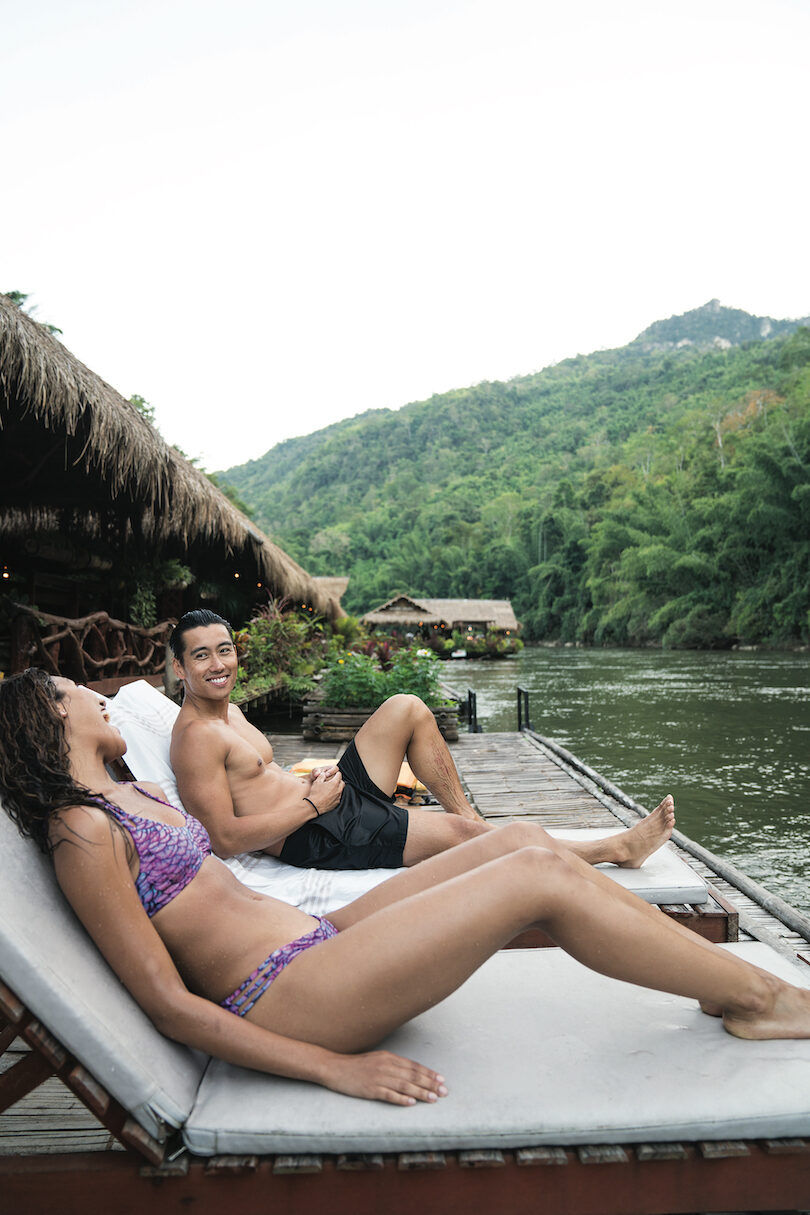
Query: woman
[(194, 946)]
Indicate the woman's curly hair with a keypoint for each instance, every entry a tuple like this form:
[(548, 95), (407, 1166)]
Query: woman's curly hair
[(35, 778)]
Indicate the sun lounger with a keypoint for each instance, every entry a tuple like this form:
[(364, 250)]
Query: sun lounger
[(145, 718), (545, 1060), (538, 1052), (663, 878)]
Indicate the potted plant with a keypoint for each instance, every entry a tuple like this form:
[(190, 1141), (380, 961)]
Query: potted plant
[(354, 685)]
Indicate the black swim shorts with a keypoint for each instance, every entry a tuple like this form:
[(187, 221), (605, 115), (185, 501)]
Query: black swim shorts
[(366, 830)]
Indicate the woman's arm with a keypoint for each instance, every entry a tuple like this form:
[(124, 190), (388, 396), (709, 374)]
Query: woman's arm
[(93, 871)]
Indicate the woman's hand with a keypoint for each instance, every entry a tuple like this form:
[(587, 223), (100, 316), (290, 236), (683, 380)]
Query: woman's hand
[(382, 1076), (325, 789)]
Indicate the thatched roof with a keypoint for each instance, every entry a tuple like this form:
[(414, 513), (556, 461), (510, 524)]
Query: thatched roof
[(76, 456), (452, 613), (334, 586)]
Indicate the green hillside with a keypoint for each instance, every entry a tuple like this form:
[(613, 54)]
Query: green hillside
[(657, 493)]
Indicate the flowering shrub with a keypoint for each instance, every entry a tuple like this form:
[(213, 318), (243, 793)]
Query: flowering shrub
[(278, 649), (486, 645), (357, 680)]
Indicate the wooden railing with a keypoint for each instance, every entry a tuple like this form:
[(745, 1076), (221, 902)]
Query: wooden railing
[(93, 649)]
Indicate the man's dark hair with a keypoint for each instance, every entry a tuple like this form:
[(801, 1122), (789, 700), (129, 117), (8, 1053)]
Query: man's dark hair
[(197, 619)]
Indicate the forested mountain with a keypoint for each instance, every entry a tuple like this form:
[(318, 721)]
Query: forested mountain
[(657, 493), (712, 326)]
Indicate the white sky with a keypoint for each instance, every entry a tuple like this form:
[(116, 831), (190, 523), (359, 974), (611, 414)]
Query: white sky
[(267, 215)]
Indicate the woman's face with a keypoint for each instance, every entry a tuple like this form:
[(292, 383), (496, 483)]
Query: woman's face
[(85, 713)]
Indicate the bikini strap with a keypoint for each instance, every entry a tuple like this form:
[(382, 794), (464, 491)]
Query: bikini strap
[(161, 801)]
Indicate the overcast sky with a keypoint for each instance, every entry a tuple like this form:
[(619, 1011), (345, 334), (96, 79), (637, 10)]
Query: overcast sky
[(267, 215)]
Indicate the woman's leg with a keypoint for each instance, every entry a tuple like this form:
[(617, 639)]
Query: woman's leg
[(352, 990), (501, 841)]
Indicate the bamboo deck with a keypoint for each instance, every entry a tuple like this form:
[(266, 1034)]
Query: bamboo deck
[(505, 776)]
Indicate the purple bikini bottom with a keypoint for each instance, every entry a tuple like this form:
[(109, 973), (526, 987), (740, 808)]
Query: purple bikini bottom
[(255, 985)]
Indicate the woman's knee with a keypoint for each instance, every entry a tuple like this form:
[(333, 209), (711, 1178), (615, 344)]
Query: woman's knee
[(541, 866), (515, 835)]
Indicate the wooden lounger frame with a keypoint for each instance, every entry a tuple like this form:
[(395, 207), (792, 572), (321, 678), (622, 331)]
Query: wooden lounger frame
[(47, 1058), (656, 1179), (603, 1179)]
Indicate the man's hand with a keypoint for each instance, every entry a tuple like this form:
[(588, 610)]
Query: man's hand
[(326, 788), (382, 1076), (329, 770)]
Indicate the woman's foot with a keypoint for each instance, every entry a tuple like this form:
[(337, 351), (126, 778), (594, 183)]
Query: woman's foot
[(786, 1014)]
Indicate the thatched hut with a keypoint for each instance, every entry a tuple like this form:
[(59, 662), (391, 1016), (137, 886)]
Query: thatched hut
[(331, 585), (97, 509), (419, 615)]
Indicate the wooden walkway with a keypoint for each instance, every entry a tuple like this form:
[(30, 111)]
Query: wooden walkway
[(505, 776)]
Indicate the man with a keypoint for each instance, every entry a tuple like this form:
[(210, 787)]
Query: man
[(338, 817)]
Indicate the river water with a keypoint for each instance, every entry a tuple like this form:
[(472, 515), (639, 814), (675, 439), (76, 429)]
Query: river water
[(728, 734)]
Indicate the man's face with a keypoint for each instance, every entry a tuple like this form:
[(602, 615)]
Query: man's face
[(208, 667)]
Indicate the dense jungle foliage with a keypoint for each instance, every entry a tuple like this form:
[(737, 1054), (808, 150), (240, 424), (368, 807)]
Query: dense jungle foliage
[(654, 494)]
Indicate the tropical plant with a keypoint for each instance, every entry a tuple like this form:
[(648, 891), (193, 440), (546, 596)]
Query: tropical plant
[(280, 649), (357, 680)]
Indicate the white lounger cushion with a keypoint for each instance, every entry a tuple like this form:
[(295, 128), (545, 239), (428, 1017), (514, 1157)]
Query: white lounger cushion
[(663, 878), (51, 964), (536, 1050), (145, 717)]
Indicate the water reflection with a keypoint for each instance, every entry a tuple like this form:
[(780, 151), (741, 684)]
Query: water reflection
[(725, 733)]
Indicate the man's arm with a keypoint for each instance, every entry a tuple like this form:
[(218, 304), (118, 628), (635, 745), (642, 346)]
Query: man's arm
[(199, 755)]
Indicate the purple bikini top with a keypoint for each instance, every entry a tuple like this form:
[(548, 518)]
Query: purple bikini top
[(169, 856)]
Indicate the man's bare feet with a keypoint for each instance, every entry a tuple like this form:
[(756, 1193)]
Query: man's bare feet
[(635, 845)]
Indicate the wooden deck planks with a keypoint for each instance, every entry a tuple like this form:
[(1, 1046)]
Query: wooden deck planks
[(49, 1120), (506, 776)]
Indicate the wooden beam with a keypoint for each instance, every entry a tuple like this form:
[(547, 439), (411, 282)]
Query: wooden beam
[(617, 1180)]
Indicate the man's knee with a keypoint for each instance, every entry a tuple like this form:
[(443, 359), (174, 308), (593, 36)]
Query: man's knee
[(407, 702), (405, 708)]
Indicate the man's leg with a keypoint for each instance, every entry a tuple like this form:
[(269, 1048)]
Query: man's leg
[(430, 833), (404, 727)]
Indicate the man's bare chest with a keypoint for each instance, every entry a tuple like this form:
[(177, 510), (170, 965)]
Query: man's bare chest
[(249, 754)]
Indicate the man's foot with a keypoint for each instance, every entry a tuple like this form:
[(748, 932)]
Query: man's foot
[(635, 845)]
